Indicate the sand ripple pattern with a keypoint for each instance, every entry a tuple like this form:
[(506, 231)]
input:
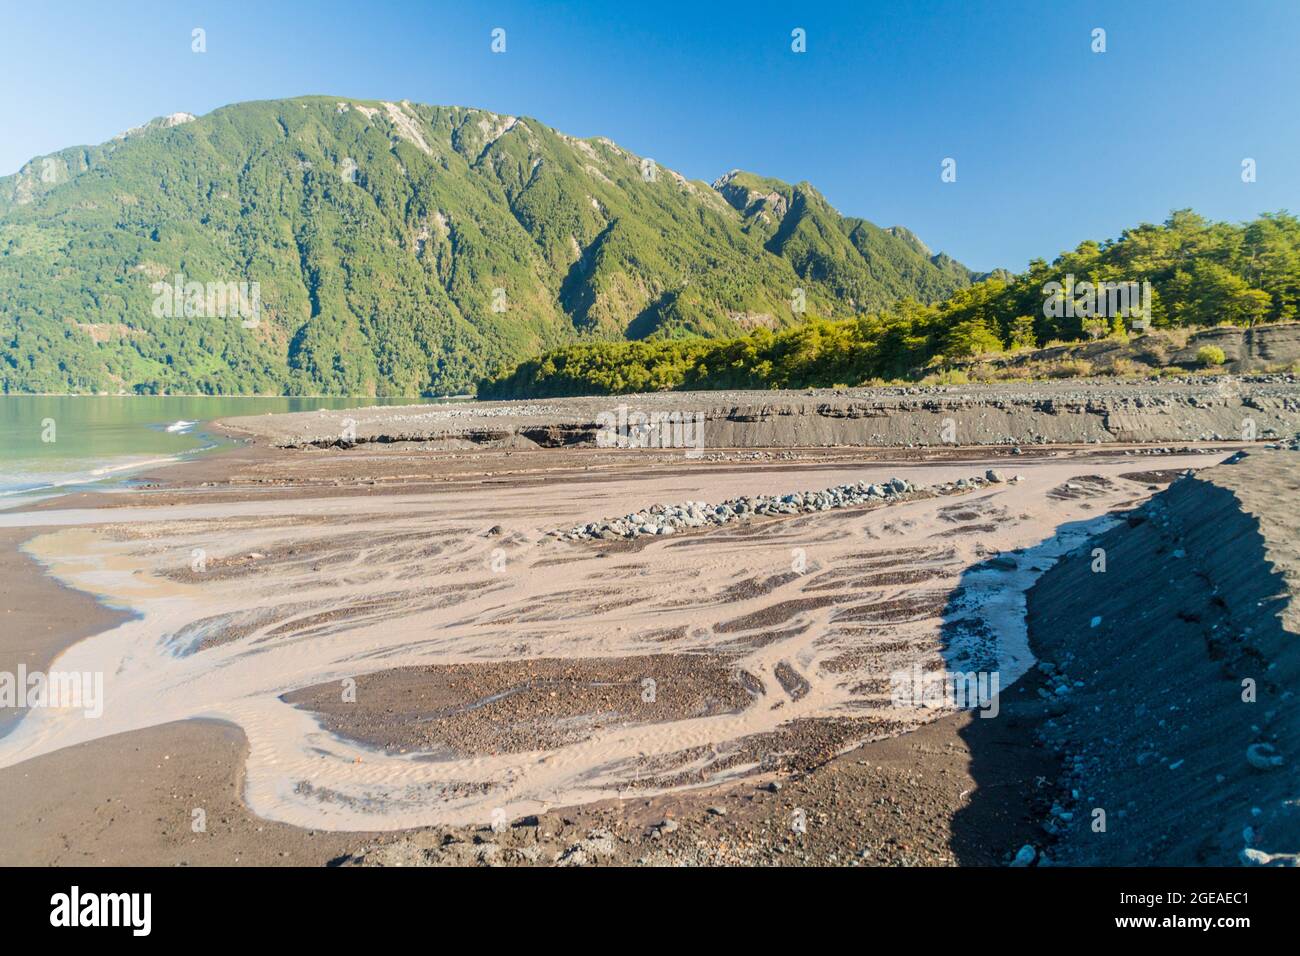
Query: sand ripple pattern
[(768, 642)]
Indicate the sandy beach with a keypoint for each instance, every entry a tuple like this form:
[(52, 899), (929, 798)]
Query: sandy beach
[(379, 653)]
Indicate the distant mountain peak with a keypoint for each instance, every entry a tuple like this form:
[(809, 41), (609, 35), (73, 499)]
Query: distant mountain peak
[(159, 122), (403, 248), (908, 236), (752, 195)]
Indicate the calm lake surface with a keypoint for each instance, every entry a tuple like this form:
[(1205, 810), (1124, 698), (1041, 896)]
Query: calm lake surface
[(51, 442)]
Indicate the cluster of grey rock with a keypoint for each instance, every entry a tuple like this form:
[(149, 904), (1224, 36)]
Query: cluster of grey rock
[(670, 519), (753, 456), (1184, 450)]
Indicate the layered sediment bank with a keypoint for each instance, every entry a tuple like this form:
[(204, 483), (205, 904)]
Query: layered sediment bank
[(1033, 413)]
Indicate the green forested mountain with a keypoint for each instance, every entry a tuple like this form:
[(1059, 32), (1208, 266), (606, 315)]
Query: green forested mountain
[(400, 249), (1200, 273), (861, 264)]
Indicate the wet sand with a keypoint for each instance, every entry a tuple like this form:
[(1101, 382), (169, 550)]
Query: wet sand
[(131, 800), (41, 617), (376, 565)]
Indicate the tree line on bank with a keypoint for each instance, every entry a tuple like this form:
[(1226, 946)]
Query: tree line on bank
[(1201, 273)]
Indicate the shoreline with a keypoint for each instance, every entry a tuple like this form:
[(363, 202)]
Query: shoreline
[(199, 764), (933, 824), (33, 597), (196, 764), (42, 616)]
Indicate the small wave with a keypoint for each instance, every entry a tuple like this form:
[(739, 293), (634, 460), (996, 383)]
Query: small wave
[(37, 483), (181, 427)]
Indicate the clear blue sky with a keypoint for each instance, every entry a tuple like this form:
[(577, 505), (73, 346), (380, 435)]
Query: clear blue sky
[(1054, 144)]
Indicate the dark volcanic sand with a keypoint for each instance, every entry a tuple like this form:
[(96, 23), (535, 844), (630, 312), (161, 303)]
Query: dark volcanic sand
[(129, 800), (931, 796), (909, 800), (513, 706)]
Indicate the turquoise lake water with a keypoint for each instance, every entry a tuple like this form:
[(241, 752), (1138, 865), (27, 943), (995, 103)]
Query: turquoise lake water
[(48, 443)]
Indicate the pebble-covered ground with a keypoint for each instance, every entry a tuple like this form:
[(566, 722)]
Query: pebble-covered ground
[(660, 519)]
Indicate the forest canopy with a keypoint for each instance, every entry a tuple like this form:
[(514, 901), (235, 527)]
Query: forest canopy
[(1200, 273)]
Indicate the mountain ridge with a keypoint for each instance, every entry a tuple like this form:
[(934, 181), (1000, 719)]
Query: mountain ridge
[(401, 248)]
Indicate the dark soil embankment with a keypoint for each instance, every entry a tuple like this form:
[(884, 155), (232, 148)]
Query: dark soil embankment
[(1171, 677), (1218, 409)]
